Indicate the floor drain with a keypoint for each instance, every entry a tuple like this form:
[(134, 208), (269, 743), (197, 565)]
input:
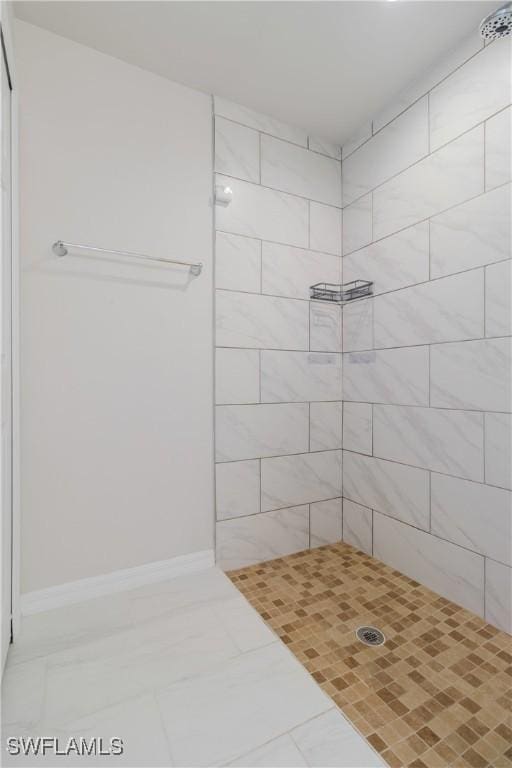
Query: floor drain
[(370, 636)]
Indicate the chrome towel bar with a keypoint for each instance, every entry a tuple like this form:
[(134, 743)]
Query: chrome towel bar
[(60, 248)]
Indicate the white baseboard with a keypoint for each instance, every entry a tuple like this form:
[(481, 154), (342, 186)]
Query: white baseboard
[(118, 581)]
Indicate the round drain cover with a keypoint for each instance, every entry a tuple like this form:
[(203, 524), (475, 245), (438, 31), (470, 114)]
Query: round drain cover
[(370, 636)]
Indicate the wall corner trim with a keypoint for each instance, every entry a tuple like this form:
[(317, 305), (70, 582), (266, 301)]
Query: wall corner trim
[(117, 581)]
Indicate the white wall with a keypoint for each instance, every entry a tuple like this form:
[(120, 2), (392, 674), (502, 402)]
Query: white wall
[(117, 466), (427, 361)]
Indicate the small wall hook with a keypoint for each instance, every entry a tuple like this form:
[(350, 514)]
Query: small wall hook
[(223, 195)]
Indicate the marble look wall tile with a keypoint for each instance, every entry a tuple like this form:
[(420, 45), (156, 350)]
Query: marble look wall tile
[(245, 320), (498, 160), (325, 228), (324, 147), (325, 426), (449, 176), (291, 480), (498, 595), (394, 376), (428, 79), (445, 568), (325, 522), (498, 305), (259, 122), (449, 309), (441, 440), (237, 263), (471, 94), (358, 526), (255, 539), (357, 427), (358, 329), (289, 168), (251, 431), (472, 374), (237, 376), (331, 740), (394, 489), (472, 234), (498, 449), (363, 133), (237, 489), (395, 262), (237, 150), (473, 515), (325, 327), (288, 271), (397, 146), (300, 376), (357, 224), (257, 211)]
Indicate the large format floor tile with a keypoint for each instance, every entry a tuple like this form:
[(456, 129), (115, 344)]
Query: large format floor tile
[(238, 706), (185, 672)]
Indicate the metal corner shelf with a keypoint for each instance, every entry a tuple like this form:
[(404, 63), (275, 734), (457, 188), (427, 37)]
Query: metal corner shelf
[(341, 292)]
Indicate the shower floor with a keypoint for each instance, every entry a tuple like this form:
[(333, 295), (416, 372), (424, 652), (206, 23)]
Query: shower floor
[(437, 693)]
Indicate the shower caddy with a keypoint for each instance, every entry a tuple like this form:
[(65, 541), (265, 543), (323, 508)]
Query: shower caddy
[(341, 292)]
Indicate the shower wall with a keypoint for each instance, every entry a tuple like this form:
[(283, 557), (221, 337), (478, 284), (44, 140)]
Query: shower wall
[(426, 363), (278, 356)]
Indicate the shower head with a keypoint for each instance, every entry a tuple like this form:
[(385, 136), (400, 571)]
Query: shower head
[(497, 24)]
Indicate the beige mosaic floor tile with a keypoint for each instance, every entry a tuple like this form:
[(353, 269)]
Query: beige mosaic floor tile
[(437, 693)]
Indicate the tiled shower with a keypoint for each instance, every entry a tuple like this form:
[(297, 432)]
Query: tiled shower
[(278, 355), (258, 518), (385, 423)]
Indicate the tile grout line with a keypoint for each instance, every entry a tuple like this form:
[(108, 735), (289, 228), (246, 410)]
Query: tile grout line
[(485, 586), (483, 447), (373, 297), (435, 535), (288, 244), (214, 323), (261, 486), (462, 202), (429, 127), (485, 156), (280, 191), (484, 280), (423, 469), (413, 346), (415, 101), (259, 156), (283, 509), (358, 453), (429, 482), (261, 131), (422, 158), (429, 374)]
